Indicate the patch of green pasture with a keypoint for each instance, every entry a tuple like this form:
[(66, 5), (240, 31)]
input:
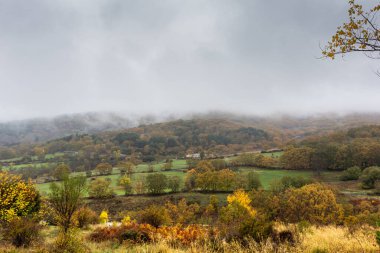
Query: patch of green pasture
[(177, 164), (268, 176), (44, 188), (277, 154), (11, 160), (25, 165)]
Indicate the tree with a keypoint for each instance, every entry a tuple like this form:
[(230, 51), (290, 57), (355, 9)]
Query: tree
[(126, 168), (237, 212), (203, 166), (126, 183), (190, 180), (65, 199), (314, 203), (219, 164), (104, 168), (39, 152), (370, 176), (100, 188), (139, 186), (150, 168), (359, 34), (226, 180), (17, 198), (61, 171), (297, 158), (156, 183), (174, 183), (253, 181), (167, 166)]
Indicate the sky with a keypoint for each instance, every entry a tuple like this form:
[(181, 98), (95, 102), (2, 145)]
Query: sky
[(178, 56)]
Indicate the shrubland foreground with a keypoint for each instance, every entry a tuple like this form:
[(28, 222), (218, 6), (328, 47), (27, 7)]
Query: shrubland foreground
[(294, 215)]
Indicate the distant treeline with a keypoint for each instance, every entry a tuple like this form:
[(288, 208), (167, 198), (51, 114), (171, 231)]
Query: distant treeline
[(337, 151)]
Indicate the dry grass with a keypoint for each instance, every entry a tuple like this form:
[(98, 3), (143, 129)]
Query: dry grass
[(325, 239), (338, 239)]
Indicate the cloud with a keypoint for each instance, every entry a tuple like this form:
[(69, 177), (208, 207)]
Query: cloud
[(254, 57)]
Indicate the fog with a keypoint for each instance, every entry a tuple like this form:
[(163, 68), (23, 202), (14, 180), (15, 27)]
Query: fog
[(189, 56)]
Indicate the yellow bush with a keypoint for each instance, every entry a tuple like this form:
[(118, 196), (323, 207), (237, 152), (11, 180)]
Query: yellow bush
[(103, 217), (17, 197)]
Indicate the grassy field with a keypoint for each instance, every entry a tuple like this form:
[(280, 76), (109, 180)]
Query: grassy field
[(267, 176), (26, 165), (44, 188), (177, 164), (274, 154)]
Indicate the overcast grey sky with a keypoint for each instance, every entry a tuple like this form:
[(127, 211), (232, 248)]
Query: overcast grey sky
[(149, 56)]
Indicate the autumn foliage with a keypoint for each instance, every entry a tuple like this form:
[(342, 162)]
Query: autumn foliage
[(17, 198), (359, 34)]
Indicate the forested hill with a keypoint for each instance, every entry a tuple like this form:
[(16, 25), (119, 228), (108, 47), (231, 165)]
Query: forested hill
[(174, 138), (150, 141), (218, 134), (359, 146)]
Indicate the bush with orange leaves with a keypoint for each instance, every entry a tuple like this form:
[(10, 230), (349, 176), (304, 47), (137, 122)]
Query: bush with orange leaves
[(131, 231), (183, 235), (140, 233)]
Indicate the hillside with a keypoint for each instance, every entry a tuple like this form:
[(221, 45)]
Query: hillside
[(44, 129), (215, 133)]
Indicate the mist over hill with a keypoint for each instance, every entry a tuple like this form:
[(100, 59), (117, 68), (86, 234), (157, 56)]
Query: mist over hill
[(44, 129), (40, 130)]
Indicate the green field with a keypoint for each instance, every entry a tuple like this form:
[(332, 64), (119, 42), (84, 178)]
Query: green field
[(44, 188), (26, 165), (267, 176), (177, 164), (277, 154)]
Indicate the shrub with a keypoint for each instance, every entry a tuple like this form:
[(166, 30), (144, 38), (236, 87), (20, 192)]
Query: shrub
[(182, 235), (128, 231), (256, 228), (154, 215), (22, 232), (68, 242), (85, 216), (237, 212), (141, 233), (103, 217), (182, 213), (100, 188), (352, 173), (17, 197)]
